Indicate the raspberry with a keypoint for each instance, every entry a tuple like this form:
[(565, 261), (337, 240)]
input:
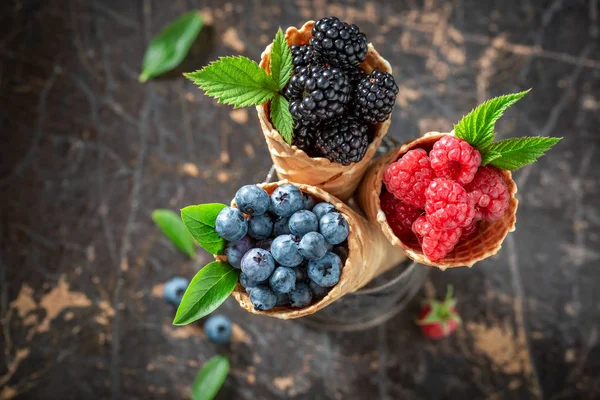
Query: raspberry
[(435, 243), (375, 97), (447, 205), (489, 192), (455, 159), (469, 232), (409, 177), (338, 43), (400, 216), (343, 140)]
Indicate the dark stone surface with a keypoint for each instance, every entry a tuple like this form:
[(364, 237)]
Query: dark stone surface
[(87, 153)]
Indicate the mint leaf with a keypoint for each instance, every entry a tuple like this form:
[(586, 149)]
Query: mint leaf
[(168, 49), (281, 60), (210, 378), (207, 291), (489, 156), (200, 221), (236, 81), (173, 228), (477, 127), (516, 153), (282, 118)]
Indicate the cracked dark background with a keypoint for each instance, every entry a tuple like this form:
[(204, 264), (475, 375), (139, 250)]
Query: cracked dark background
[(87, 153)]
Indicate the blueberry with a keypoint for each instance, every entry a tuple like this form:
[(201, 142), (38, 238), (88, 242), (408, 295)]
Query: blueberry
[(236, 250), (325, 271), (334, 227), (285, 250), (231, 224), (282, 280), (260, 227), (301, 296), (342, 252), (307, 202), (287, 199), (322, 209), (301, 275), (281, 226), (246, 282), (313, 246), (303, 222), (264, 244), (218, 329), (174, 290), (262, 298), (283, 299), (252, 200), (318, 292), (258, 264)]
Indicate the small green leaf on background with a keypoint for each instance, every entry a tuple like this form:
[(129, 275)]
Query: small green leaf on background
[(282, 118), (208, 290), (515, 153), (173, 227), (168, 49), (281, 60), (237, 81), (210, 378), (200, 221)]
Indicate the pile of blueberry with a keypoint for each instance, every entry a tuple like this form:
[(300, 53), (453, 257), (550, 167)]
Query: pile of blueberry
[(290, 250)]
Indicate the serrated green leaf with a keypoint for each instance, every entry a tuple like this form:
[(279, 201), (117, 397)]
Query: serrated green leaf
[(236, 81), (168, 49), (281, 60), (477, 127), (207, 291), (200, 222), (210, 378), (489, 156), (173, 228), (282, 118), (516, 153)]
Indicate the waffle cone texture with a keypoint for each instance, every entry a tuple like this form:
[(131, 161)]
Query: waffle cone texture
[(294, 164), (487, 242)]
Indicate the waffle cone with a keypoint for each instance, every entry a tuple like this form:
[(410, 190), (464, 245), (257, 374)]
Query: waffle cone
[(294, 164), (485, 244), (369, 254)]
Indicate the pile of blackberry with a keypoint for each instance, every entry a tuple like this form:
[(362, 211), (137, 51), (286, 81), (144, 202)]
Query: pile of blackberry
[(335, 104)]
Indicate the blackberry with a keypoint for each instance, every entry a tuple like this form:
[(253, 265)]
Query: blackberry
[(304, 137), (375, 96), (355, 75), (343, 140), (338, 43), (303, 56), (318, 93)]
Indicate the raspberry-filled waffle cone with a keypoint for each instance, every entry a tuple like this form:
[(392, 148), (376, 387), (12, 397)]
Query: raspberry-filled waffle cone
[(485, 243), (294, 164)]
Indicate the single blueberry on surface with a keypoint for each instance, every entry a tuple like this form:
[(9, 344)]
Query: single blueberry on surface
[(218, 329), (246, 282), (264, 244), (341, 251), (174, 290), (334, 227), (262, 298), (307, 201), (260, 227), (302, 222), (236, 250), (285, 250), (282, 280), (286, 200), (301, 296), (252, 200), (283, 299), (312, 246), (318, 292), (258, 264), (322, 209), (281, 226), (325, 271), (231, 224)]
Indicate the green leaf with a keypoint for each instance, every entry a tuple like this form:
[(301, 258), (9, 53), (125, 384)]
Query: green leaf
[(237, 81), (282, 118), (168, 49), (173, 228), (477, 127), (489, 156), (208, 290), (516, 153), (210, 378), (200, 221), (281, 60)]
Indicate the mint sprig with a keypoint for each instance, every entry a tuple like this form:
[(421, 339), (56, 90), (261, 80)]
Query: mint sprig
[(516, 153)]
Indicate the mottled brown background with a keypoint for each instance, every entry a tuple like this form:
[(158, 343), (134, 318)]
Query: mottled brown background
[(87, 153)]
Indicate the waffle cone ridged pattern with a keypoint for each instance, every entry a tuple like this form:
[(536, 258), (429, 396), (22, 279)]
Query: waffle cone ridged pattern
[(369, 254), (294, 164), (487, 242)]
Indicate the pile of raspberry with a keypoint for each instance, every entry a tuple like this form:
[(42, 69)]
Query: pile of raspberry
[(442, 196)]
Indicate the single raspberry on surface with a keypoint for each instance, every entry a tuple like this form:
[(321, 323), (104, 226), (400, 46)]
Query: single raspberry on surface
[(489, 192), (447, 205), (470, 231), (436, 244), (409, 177), (455, 159), (400, 216)]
